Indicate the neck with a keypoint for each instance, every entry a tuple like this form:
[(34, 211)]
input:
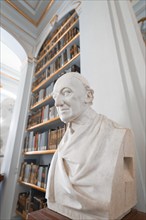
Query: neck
[(84, 118)]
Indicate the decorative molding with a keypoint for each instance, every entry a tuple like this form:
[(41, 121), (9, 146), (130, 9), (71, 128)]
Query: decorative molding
[(31, 59), (53, 20), (35, 23), (77, 6), (37, 4), (16, 26)]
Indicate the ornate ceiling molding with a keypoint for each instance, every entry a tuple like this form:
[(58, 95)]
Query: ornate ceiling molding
[(34, 17)]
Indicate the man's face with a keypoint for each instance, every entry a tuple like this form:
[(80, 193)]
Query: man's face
[(69, 95)]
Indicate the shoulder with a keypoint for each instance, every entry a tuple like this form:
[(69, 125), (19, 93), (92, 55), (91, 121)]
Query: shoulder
[(111, 124)]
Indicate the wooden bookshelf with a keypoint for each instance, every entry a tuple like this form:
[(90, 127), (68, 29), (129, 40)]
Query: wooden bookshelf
[(46, 124), (45, 101), (76, 21), (61, 28), (59, 54), (54, 76)]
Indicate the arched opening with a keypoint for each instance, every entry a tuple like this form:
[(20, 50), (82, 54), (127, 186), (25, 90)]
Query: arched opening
[(13, 72), (13, 59)]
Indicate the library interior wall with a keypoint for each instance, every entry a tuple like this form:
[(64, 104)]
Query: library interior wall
[(101, 65), (113, 63)]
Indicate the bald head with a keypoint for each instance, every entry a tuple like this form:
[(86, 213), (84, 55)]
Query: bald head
[(75, 75), (70, 76)]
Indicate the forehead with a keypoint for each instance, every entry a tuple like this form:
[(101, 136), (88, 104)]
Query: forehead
[(68, 82)]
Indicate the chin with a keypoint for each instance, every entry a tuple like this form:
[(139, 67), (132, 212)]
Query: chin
[(65, 119)]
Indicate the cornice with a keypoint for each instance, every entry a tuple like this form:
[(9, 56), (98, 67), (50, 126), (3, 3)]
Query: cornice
[(35, 23)]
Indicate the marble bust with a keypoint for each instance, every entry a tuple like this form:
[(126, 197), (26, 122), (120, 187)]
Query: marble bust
[(92, 174)]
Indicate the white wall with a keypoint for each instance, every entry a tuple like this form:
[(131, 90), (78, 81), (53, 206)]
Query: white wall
[(112, 60)]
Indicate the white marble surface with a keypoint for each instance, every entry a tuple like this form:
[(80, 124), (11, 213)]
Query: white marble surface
[(92, 174)]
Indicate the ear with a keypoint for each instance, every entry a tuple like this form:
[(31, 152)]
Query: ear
[(89, 97)]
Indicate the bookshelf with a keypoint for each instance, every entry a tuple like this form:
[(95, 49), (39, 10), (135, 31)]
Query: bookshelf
[(59, 54)]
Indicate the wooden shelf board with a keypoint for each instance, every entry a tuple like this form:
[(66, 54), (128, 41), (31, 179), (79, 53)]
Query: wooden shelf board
[(43, 124), (33, 186), (40, 152), (43, 102)]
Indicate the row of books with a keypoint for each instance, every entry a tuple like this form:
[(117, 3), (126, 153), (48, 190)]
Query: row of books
[(42, 115), (47, 140), (65, 56), (28, 202), (41, 94), (34, 174), (59, 45), (57, 33)]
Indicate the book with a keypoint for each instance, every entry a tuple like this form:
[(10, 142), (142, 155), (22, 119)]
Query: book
[(52, 139), (27, 172), (41, 95), (36, 141), (44, 176), (60, 133), (40, 170), (22, 171), (43, 145), (49, 89), (34, 174), (26, 141), (22, 202), (30, 141)]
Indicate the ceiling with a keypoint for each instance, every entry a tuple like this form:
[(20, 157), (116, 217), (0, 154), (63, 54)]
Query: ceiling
[(33, 10), (31, 17)]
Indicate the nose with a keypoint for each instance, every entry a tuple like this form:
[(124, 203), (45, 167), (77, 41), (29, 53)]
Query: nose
[(58, 101)]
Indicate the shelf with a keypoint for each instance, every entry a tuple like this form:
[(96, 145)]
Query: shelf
[(54, 76), (57, 34), (59, 52), (46, 125), (57, 41), (33, 186), (40, 152), (47, 100)]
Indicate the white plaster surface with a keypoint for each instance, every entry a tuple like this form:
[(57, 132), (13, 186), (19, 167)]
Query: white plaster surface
[(92, 174)]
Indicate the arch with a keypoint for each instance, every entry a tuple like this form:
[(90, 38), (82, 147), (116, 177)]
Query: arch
[(10, 160), (13, 43)]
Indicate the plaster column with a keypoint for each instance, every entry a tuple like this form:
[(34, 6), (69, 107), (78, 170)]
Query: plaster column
[(112, 59), (9, 188)]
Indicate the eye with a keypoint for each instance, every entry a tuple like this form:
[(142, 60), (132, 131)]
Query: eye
[(66, 92)]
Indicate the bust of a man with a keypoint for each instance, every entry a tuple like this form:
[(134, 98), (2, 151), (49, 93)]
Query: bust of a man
[(92, 172)]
